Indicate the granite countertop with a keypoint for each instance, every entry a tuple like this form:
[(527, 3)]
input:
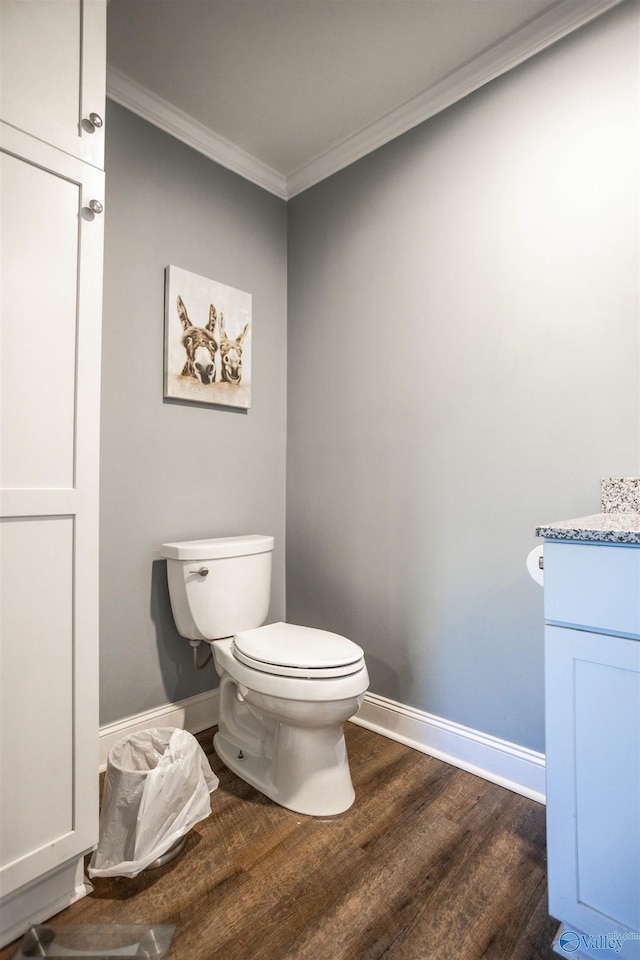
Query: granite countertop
[(619, 521), (603, 527)]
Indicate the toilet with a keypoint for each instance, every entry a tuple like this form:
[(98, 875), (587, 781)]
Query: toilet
[(285, 690)]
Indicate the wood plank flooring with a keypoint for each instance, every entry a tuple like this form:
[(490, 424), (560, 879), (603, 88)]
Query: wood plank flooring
[(431, 863)]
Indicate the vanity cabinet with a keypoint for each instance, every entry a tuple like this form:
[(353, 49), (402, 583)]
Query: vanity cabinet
[(51, 246), (592, 656)]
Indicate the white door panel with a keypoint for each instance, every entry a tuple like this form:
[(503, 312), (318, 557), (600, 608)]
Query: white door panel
[(36, 682), (50, 313), (52, 72), (39, 223)]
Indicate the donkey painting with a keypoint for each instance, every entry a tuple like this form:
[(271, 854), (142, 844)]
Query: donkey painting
[(200, 346), (202, 362), (231, 354)]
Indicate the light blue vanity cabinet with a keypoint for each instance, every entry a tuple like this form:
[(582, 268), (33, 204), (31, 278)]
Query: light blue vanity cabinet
[(592, 656)]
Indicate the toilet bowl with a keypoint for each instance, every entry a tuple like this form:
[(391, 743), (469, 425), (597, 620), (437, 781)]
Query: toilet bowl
[(285, 690), (284, 733)]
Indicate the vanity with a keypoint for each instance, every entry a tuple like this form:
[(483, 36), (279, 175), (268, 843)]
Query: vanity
[(592, 716)]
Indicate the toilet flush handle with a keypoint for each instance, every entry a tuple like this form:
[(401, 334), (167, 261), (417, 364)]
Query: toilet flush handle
[(203, 571)]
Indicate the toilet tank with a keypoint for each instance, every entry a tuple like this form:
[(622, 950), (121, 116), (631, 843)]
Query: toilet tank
[(219, 587)]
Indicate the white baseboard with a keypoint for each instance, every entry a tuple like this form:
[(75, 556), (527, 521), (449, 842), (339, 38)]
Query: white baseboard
[(193, 714), (507, 764), (42, 898)]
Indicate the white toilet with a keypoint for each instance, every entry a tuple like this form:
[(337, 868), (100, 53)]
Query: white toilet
[(285, 691)]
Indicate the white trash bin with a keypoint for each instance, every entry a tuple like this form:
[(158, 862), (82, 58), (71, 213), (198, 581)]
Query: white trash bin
[(156, 788)]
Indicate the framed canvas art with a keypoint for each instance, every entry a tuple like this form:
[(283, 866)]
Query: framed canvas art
[(207, 340)]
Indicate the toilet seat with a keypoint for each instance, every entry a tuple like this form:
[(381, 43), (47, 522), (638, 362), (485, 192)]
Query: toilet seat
[(287, 650)]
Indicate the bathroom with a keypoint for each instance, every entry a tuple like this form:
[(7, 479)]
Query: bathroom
[(403, 461), (445, 354)]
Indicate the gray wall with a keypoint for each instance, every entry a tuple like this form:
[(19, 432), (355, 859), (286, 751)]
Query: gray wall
[(174, 470), (463, 364)]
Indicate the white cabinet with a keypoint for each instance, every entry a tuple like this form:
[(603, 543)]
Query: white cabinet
[(51, 246), (592, 653), (52, 72)]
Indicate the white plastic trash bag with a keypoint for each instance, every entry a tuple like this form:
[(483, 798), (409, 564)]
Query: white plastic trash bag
[(156, 789)]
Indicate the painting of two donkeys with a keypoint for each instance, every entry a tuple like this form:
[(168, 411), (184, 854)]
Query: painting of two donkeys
[(207, 338)]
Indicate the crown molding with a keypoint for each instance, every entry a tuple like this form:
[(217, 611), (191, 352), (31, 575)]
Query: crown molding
[(503, 56), (141, 101), (558, 22)]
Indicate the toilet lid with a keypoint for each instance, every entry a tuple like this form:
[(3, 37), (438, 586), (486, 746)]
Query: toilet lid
[(292, 651)]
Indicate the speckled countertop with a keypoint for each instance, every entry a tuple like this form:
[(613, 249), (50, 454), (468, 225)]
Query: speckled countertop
[(619, 521), (607, 527)]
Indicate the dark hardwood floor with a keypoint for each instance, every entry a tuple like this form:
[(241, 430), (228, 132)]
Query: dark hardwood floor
[(431, 863)]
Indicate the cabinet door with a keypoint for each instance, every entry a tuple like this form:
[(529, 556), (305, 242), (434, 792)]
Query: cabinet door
[(50, 311), (593, 780), (52, 72)]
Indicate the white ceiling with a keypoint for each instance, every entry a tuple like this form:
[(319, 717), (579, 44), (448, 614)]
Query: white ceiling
[(288, 91)]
